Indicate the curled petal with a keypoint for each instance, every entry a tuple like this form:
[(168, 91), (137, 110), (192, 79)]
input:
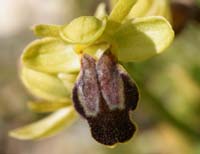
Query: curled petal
[(142, 38), (44, 86), (150, 8), (47, 126), (51, 55), (83, 30), (155, 8), (160, 8), (47, 30)]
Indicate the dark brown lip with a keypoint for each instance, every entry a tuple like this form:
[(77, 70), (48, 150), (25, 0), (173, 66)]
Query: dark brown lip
[(104, 94)]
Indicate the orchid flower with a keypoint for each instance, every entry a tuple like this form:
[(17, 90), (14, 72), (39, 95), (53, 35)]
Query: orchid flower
[(77, 68)]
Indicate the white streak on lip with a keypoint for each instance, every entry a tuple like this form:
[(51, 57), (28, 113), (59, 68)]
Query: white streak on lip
[(111, 83), (88, 89)]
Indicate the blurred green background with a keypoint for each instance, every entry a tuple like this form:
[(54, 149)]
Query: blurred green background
[(168, 115)]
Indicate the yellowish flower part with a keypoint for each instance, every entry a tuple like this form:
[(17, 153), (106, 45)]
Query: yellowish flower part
[(46, 30), (44, 86), (121, 10), (50, 65), (83, 30), (46, 127), (144, 8), (101, 11), (46, 107), (51, 55), (142, 38)]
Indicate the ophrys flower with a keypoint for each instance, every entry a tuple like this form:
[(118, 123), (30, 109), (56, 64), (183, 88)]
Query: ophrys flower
[(81, 63)]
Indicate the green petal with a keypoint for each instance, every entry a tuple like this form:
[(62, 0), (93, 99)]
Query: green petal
[(142, 38), (121, 10), (43, 107), (51, 55), (47, 30), (83, 30), (44, 86), (101, 11), (68, 80), (47, 126)]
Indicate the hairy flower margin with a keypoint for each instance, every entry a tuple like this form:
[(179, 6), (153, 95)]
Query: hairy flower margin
[(135, 30)]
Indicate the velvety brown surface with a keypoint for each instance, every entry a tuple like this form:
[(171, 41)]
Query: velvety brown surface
[(115, 93)]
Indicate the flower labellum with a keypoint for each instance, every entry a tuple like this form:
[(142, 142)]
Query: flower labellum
[(104, 94)]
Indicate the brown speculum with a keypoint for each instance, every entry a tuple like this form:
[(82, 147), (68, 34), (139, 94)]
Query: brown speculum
[(104, 94)]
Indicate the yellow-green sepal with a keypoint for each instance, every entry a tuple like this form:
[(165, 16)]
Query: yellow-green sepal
[(44, 86), (46, 107), (140, 9), (142, 38), (160, 8), (47, 126), (51, 55), (83, 30), (121, 10), (150, 8), (68, 80), (43, 30)]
